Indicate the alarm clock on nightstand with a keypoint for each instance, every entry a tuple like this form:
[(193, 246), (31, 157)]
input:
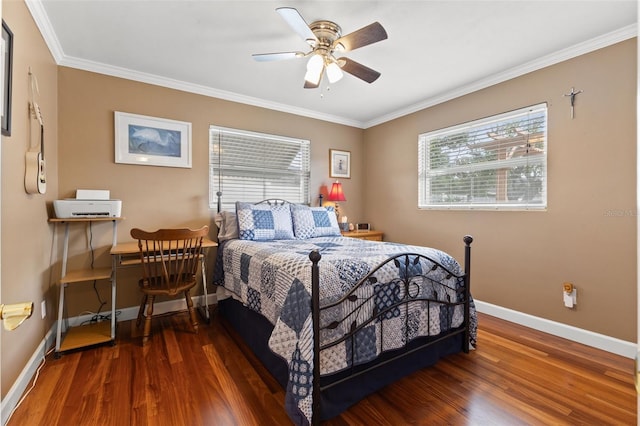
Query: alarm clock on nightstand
[(363, 227)]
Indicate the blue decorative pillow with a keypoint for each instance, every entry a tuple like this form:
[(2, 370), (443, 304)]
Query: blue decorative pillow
[(264, 221), (309, 222)]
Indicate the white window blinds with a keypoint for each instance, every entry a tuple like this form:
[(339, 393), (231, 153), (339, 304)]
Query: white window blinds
[(248, 166), (499, 162)]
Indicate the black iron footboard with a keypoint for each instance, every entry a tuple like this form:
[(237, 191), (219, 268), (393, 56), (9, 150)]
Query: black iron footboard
[(437, 285)]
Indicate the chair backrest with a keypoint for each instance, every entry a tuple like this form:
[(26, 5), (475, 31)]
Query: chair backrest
[(170, 257)]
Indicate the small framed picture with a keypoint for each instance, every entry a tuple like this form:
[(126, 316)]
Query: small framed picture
[(7, 70), (339, 164), (152, 141)]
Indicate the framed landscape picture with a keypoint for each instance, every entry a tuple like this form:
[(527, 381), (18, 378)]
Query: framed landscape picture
[(339, 164), (152, 141)]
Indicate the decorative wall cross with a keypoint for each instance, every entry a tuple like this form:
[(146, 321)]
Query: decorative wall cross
[(572, 97)]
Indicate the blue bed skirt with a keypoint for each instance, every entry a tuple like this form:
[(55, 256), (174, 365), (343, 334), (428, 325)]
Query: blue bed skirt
[(255, 330)]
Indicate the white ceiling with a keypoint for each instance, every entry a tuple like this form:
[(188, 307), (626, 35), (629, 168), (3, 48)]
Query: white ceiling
[(436, 50)]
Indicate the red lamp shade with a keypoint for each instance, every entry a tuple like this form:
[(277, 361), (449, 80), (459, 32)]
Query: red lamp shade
[(336, 193)]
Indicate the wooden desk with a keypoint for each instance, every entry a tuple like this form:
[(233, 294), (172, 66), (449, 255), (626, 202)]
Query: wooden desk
[(128, 254)]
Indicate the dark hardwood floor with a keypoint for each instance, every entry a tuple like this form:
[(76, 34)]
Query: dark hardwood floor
[(516, 376)]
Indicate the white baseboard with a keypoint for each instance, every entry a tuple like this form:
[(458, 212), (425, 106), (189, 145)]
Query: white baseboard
[(600, 341), (173, 305), (12, 398), (586, 337)]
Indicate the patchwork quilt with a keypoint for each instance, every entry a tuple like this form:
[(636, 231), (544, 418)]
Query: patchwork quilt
[(274, 279)]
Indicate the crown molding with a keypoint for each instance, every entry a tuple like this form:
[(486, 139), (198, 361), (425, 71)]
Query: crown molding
[(128, 74), (585, 47), (46, 29), (41, 19), (44, 25)]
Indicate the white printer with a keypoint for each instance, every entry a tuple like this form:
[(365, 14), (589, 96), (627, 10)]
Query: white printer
[(88, 203)]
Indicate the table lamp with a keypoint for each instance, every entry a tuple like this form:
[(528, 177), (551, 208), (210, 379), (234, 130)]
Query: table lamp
[(336, 195)]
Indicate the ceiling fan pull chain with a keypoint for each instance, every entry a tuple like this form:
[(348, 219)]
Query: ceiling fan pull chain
[(322, 92)]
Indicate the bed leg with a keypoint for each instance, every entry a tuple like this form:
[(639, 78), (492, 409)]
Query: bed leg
[(468, 239), (315, 257)]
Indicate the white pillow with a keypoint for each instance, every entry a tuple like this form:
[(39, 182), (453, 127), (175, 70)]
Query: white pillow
[(227, 223)]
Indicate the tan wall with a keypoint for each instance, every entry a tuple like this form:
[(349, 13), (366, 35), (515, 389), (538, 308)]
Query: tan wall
[(155, 197), (26, 235), (587, 235), (520, 258)]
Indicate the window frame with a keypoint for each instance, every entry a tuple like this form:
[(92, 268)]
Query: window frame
[(249, 170), (535, 161)]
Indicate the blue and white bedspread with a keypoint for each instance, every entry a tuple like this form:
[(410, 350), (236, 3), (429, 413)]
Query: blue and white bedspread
[(274, 279)]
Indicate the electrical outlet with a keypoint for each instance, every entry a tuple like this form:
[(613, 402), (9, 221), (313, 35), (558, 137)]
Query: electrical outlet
[(43, 309), (569, 295)]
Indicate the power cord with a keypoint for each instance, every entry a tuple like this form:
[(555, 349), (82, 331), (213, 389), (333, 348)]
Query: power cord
[(33, 384), (91, 244), (97, 316), (102, 302)]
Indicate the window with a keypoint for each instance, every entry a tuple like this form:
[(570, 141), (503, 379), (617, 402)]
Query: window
[(248, 166), (498, 162)]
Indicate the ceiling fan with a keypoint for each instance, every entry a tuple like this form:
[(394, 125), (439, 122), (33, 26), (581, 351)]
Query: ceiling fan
[(326, 39)]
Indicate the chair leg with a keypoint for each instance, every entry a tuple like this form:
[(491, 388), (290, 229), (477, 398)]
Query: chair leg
[(141, 310), (192, 311), (147, 321)]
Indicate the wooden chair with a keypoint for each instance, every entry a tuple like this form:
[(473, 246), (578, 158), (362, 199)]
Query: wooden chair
[(170, 260)]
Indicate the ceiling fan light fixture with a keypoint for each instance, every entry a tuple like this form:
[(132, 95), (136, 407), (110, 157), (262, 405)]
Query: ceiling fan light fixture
[(334, 73), (315, 66), (325, 38)]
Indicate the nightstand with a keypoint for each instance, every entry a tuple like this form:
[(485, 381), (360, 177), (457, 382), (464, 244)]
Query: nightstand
[(364, 235)]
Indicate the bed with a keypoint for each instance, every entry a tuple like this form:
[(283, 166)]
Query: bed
[(371, 312)]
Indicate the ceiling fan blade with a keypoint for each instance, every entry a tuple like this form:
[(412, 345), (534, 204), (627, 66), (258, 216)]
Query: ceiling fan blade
[(297, 23), (266, 57), (370, 34), (358, 70)]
